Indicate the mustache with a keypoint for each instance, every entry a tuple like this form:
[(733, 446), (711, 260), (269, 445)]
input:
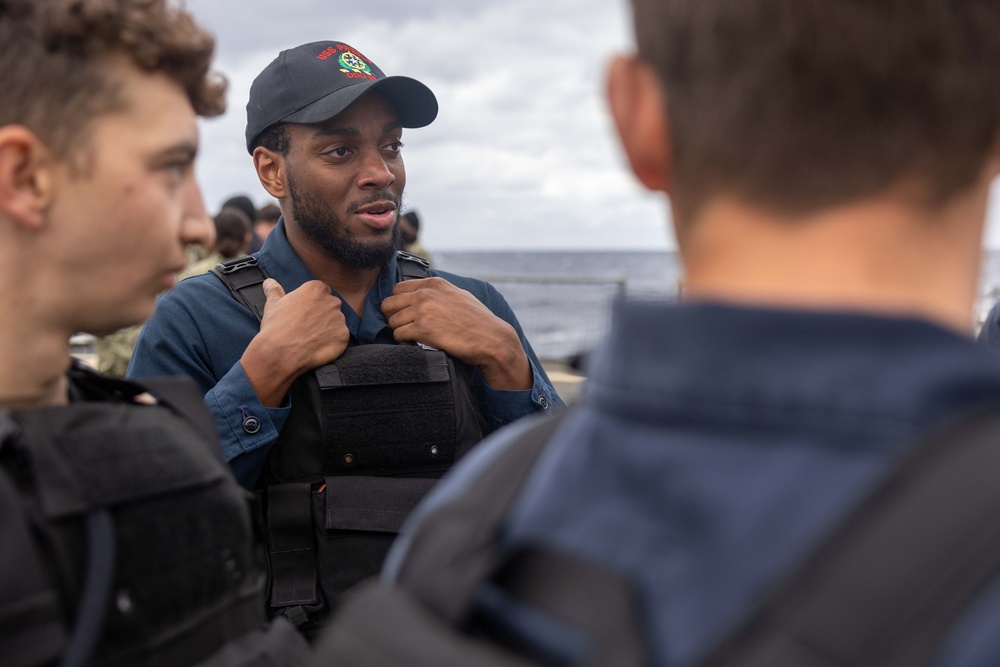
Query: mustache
[(384, 195)]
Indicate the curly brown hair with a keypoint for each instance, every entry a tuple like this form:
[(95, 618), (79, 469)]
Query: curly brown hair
[(57, 56), (798, 105)]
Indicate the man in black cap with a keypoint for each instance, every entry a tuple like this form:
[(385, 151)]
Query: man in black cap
[(343, 377)]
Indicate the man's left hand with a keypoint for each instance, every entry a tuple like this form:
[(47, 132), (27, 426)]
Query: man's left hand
[(436, 313)]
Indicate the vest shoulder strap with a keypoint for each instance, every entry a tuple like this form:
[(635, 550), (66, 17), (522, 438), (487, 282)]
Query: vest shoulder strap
[(410, 266), (244, 276)]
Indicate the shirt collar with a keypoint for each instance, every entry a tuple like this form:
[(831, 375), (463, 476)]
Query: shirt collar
[(703, 353), (280, 260)]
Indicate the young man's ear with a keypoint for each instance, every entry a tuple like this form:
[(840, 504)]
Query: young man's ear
[(270, 168), (26, 179), (639, 110)]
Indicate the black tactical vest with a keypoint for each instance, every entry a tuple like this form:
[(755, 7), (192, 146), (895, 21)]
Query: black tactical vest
[(367, 437), (126, 539)]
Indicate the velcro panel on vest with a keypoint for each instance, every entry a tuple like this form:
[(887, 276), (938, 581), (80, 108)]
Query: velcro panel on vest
[(372, 503), (387, 407), (290, 544)]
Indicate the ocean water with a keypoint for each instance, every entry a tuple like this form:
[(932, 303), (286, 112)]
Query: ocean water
[(563, 299)]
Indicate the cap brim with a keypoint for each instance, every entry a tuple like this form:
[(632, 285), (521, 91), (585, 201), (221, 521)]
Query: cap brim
[(414, 102)]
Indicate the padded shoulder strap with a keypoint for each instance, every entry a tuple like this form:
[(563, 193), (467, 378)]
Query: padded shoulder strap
[(463, 533), (410, 266), (244, 277), (890, 582)]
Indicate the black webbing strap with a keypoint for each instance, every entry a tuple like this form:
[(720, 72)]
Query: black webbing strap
[(291, 545), (890, 582), (455, 549), (410, 266), (244, 277)]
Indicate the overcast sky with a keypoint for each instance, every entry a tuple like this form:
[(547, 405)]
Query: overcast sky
[(522, 154)]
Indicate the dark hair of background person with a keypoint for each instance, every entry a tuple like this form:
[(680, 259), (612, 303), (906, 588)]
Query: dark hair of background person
[(413, 219), (268, 213), (232, 231), (842, 100), (54, 58), (243, 203)]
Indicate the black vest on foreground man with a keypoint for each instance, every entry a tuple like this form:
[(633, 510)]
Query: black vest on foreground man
[(367, 437), (124, 539)]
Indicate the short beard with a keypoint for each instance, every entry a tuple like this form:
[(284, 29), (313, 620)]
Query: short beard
[(322, 226)]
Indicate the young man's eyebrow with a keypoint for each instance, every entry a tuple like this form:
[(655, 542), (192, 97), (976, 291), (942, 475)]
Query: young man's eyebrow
[(185, 149)]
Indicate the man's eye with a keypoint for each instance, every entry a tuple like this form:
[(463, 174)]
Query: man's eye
[(340, 151), (178, 170), (394, 147)]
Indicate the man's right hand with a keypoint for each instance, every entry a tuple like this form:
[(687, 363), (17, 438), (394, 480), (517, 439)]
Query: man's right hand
[(300, 331)]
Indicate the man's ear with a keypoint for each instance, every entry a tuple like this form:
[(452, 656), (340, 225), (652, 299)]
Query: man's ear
[(270, 168), (26, 178), (639, 109)]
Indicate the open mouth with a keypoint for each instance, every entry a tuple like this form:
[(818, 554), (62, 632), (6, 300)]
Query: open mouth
[(380, 214)]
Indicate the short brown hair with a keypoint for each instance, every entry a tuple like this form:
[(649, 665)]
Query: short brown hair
[(56, 55), (798, 105)]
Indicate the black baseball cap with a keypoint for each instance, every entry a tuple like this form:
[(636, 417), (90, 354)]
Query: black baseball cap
[(316, 81)]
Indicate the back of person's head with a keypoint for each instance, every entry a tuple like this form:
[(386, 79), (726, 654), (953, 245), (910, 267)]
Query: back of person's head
[(243, 203), (413, 219), (799, 105), (57, 62), (232, 232), (269, 213), (409, 227)]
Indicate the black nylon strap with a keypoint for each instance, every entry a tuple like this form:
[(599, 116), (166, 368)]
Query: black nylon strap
[(410, 266), (888, 585), (244, 277), (291, 545)]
